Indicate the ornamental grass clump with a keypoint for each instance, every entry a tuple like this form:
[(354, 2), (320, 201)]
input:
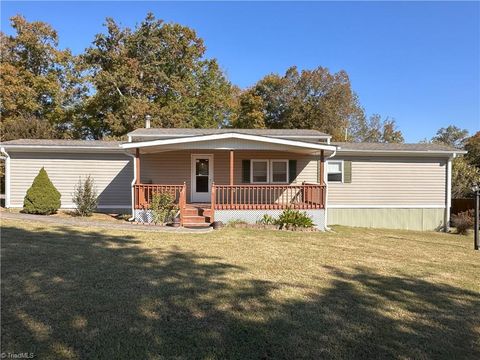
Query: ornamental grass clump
[(42, 197), (85, 197), (463, 222)]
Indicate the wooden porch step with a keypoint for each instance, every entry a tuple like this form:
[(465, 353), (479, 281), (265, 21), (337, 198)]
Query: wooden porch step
[(197, 215), (196, 225), (194, 219)]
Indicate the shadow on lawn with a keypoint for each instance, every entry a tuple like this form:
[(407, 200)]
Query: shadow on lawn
[(87, 295)]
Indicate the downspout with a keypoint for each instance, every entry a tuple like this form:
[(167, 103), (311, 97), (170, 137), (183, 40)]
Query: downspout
[(132, 184), (325, 177), (7, 177), (448, 198)]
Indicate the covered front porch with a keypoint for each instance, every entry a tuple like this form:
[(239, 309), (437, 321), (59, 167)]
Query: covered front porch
[(230, 178)]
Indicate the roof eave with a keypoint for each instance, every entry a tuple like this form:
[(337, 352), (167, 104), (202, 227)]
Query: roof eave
[(402, 152), (75, 148)]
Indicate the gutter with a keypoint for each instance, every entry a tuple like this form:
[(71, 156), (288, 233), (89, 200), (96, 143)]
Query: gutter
[(403, 152)]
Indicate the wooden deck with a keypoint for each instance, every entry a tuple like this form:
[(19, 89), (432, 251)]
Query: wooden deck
[(235, 197)]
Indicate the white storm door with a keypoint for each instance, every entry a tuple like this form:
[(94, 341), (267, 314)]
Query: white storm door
[(202, 177)]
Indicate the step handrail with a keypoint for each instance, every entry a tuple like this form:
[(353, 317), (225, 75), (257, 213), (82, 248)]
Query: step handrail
[(182, 202)]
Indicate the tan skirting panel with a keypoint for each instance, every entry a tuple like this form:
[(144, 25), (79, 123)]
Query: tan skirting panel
[(388, 218)]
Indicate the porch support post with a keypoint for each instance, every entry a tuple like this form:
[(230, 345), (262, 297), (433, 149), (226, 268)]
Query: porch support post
[(321, 170), (231, 177), (137, 166), (231, 167), (138, 191)]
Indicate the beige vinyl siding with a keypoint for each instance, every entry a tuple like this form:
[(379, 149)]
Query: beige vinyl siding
[(174, 167), (391, 181), (112, 173)]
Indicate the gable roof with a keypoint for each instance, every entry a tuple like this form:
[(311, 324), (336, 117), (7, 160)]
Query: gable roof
[(229, 136), (184, 132)]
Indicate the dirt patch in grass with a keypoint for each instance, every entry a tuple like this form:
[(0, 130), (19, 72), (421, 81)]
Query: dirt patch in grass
[(238, 293)]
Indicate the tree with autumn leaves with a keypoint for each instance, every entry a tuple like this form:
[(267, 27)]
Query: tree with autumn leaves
[(160, 69), (41, 88)]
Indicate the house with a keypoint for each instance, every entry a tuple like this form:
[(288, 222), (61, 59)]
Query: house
[(226, 174)]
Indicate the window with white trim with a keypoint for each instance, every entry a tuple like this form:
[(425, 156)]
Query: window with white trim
[(279, 171), (259, 171), (335, 171)]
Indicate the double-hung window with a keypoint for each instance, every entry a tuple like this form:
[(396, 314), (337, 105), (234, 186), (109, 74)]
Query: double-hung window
[(259, 171), (335, 171), (279, 171)]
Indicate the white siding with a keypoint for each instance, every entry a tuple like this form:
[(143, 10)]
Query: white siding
[(112, 173), (392, 181)]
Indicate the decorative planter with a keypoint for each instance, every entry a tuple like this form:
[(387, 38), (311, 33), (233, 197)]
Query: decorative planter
[(217, 225), (176, 222)]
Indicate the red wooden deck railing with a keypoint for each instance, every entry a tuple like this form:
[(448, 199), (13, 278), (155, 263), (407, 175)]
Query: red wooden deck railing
[(144, 193), (259, 197)]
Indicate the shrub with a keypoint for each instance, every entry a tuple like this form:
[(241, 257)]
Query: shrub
[(463, 221), (290, 219), (42, 197), (85, 197), (267, 220), (163, 208)]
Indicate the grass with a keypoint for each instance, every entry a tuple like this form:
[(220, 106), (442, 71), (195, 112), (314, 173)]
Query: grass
[(69, 214), (239, 294)]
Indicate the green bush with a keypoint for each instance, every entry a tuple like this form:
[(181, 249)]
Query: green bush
[(290, 219), (163, 208), (42, 197), (463, 221), (267, 220), (85, 197)]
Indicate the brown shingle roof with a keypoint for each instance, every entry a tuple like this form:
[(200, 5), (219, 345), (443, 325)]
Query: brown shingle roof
[(164, 132), (345, 146), (61, 142)]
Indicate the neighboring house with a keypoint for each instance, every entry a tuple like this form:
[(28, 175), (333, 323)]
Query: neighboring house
[(227, 174)]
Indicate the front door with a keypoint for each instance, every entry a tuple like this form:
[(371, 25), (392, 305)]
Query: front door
[(202, 177)]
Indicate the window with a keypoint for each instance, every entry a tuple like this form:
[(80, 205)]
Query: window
[(335, 171), (259, 171), (279, 171)]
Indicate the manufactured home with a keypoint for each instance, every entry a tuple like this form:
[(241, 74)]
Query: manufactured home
[(230, 174)]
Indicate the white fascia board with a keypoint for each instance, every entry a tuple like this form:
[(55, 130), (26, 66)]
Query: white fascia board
[(445, 153), (258, 138), (427, 206)]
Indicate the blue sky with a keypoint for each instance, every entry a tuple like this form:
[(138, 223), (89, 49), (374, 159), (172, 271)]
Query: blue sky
[(416, 62)]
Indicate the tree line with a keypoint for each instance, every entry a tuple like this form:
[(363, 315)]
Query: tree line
[(160, 69)]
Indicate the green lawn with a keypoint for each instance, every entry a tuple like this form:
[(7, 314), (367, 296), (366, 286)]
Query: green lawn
[(238, 294)]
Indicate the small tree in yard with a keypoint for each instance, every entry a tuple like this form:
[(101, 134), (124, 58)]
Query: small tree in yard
[(85, 197), (42, 197)]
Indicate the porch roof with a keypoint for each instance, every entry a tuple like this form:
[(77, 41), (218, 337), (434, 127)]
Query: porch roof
[(231, 141)]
